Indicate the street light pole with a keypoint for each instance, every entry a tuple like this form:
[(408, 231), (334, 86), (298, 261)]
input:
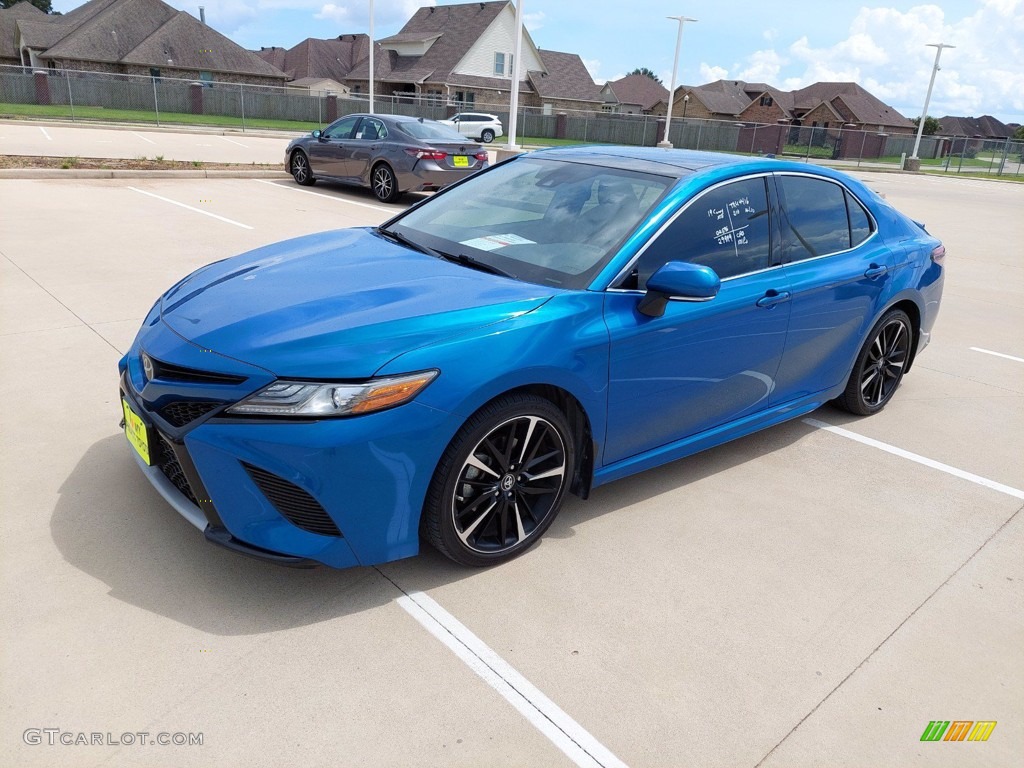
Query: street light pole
[(672, 91), (371, 57), (513, 98), (928, 97)]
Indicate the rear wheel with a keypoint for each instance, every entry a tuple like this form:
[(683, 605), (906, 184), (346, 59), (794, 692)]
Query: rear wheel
[(880, 365), (487, 136), (384, 184), (300, 169), (501, 481)]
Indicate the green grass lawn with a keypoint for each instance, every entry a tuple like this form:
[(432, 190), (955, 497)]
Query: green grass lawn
[(539, 141), (145, 116)]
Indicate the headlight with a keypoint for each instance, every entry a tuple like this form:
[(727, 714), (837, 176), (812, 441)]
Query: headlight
[(306, 398)]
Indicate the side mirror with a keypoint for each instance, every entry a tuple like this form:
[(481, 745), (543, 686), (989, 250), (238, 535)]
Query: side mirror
[(317, 133), (678, 280)]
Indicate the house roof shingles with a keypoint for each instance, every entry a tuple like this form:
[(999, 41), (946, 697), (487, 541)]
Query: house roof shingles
[(9, 18), (333, 58), (641, 90), (566, 78), (139, 32), (985, 126)]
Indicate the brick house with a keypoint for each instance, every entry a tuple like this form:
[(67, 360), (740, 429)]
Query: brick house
[(634, 95), (134, 37), (319, 65)]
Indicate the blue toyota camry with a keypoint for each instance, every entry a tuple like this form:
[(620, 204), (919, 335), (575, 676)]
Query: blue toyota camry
[(548, 325)]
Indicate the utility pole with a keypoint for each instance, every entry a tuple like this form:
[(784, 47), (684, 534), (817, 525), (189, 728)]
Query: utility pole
[(672, 91)]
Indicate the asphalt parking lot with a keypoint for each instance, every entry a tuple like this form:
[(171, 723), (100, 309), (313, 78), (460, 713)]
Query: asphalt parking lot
[(801, 597)]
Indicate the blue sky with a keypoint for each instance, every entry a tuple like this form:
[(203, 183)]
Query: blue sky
[(881, 45)]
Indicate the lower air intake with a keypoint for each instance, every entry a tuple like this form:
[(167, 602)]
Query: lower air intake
[(293, 503)]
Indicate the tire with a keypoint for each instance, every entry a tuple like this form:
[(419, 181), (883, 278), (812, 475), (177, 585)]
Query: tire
[(484, 506), (301, 171), (487, 136), (384, 184), (880, 365)]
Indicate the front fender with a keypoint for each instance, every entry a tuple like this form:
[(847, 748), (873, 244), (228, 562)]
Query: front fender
[(563, 343)]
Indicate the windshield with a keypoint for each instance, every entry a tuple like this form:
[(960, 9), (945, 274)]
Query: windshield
[(431, 130), (545, 221)]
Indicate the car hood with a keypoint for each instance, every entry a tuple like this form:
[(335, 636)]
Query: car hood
[(337, 305)]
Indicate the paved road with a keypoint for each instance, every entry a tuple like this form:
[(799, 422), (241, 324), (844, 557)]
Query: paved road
[(800, 597), (70, 140)]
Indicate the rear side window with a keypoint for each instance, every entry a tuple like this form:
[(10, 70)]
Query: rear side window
[(860, 222), (816, 212), (726, 228)]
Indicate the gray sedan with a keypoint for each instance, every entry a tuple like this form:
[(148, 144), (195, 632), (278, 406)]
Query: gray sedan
[(390, 154)]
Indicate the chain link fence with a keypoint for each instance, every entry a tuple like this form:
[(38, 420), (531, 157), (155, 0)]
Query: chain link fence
[(99, 96)]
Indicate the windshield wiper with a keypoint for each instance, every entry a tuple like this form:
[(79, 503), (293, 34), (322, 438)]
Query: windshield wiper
[(468, 261), (461, 258), (398, 237)]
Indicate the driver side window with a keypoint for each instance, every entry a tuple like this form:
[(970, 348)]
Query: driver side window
[(726, 228), (341, 129)]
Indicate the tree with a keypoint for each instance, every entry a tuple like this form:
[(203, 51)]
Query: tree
[(931, 125), (647, 73), (43, 5), (1018, 135)]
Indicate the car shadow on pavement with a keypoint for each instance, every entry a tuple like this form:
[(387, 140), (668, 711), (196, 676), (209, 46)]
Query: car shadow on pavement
[(431, 569), (111, 524)]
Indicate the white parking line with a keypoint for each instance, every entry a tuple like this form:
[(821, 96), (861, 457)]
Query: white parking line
[(546, 716), (190, 208), (330, 197), (48, 137), (997, 354), (969, 476), (232, 141), (136, 133)]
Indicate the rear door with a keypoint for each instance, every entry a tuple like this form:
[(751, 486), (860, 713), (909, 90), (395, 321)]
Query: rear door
[(359, 151), (840, 274)]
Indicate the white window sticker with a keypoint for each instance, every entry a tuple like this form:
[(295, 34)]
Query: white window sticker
[(494, 242)]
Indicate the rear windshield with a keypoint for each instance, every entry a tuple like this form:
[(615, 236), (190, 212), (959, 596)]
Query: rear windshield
[(428, 129)]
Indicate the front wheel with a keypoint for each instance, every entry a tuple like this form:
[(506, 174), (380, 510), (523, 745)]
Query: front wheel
[(880, 365), (301, 171), (487, 136), (501, 481), (384, 183)]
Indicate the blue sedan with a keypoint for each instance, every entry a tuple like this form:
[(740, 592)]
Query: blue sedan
[(556, 322)]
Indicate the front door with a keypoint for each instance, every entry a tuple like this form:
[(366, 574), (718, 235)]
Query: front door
[(701, 364)]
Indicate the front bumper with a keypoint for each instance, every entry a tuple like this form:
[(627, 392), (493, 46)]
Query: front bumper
[(254, 485)]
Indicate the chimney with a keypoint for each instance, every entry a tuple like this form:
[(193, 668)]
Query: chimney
[(202, 14)]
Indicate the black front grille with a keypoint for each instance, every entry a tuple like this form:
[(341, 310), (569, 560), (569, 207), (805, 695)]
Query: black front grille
[(293, 503), (186, 411), (169, 372), (168, 463)]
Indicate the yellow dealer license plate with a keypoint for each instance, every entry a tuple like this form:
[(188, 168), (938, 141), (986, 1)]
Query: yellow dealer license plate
[(136, 432), (461, 161)]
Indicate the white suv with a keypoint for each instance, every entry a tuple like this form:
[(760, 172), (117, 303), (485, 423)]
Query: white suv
[(476, 125)]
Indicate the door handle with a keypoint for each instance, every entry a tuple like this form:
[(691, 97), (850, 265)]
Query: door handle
[(875, 271), (773, 297)]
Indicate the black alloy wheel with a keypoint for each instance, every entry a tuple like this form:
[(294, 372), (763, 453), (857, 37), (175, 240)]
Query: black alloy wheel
[(880, 365), (301, 171), (384, 184), (501, 481)]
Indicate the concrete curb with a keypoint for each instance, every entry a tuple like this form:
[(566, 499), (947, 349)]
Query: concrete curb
[(102, 173)]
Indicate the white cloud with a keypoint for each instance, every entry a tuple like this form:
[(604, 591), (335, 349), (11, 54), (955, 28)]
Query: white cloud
[(533, 21), (710, 73), (762, 67), (593, 67), (770, 34), (886, 51)]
